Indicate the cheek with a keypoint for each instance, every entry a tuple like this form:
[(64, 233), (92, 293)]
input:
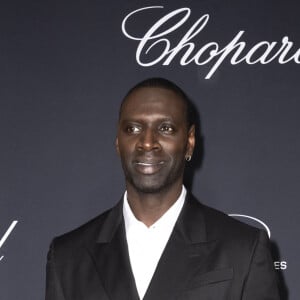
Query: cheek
[(124, 141), (126, 148), (176, 145), (175, 149)]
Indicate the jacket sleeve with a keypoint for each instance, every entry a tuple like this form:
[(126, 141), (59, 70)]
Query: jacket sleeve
[(53, 287), (261, 282)]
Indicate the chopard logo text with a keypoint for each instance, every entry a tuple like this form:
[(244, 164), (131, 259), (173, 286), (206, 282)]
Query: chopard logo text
[(188, 51)]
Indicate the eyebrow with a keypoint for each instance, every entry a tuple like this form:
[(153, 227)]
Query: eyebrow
[(139, 120)]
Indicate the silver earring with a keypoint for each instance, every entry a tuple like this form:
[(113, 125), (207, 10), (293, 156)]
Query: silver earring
[(188, 158)]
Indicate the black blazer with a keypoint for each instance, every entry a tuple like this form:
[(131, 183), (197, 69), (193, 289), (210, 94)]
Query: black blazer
[(209, 256)]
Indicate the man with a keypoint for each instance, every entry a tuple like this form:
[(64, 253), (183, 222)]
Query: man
[(159, 242)]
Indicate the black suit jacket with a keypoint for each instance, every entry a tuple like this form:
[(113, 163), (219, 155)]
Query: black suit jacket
[(209, 256)]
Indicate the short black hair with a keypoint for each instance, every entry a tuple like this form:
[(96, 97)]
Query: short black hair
[(159, 82)]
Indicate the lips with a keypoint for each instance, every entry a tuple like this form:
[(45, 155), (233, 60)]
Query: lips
[(148, 167)]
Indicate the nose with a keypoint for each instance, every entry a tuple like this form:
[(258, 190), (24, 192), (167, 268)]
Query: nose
[(148, 141)]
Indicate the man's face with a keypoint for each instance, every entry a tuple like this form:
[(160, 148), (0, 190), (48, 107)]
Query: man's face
[(153, 139)]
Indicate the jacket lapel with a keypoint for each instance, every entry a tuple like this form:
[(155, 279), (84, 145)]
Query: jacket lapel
[(111, 258), (186, 252)]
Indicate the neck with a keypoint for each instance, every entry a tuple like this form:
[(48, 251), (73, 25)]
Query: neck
[(149, 207)]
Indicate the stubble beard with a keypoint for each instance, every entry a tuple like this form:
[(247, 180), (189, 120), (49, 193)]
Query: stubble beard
[(155, 183)]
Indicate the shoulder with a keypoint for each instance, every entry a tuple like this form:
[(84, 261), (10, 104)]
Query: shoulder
[(219, 225), (88, 232), (235, 240)]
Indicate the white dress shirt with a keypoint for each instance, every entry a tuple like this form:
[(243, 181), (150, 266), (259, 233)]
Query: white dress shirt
[(146, 244)]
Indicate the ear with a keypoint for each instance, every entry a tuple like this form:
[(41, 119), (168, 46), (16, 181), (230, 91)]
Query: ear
[(117, 145), (191, 141)]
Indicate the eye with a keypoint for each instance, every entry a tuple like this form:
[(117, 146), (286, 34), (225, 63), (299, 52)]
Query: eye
[(133, 129), (167, 128)]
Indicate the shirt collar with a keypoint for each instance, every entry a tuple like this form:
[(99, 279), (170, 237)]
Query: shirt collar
[(168, 219)]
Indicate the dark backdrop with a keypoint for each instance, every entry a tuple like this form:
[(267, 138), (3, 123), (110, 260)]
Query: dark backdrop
[(64, 68)]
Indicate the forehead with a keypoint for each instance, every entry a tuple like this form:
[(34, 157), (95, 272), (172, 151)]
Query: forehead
[(149, 101)]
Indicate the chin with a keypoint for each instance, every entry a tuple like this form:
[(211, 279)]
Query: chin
[(151, 187), (151, 184)]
